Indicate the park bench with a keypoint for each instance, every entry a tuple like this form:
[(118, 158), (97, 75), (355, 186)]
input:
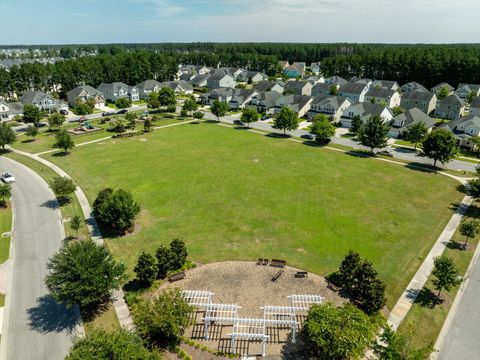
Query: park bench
[(301, 274), (277, 275), (262, 261), (177, 276), (278, 263)]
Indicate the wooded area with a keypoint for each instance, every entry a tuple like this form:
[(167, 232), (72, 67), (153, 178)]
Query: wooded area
[(133, 63)]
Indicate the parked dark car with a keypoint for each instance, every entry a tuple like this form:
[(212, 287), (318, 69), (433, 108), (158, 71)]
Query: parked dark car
[(63, 112), (123, 111), (308, 136), (41, 124), (238, 122), (265, 117), (108, 113)]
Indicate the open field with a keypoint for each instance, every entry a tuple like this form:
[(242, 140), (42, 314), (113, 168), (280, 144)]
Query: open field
[(234, 195), (45, 140)]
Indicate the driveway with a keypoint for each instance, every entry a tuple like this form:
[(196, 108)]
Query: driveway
[(35, 326), (399, 153)]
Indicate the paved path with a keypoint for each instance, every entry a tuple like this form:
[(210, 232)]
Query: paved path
[(460, 333), (119, 303), (35, 326), (410, 294)]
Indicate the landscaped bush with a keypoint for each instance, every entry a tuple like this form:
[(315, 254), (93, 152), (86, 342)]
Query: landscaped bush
[(63, 188)]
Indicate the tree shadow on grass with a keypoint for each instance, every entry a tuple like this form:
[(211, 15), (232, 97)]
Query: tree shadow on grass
[(5, 151), (275, 135), (49, 316), (427, 299), (359, 154), (425, 168), (61, 153), (26, 141), (454, 245)]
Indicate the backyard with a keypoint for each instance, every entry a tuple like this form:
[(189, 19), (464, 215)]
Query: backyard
[(234, 195)]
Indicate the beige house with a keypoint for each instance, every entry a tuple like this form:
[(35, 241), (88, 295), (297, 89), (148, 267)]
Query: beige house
[(424, 100), (332, 106)]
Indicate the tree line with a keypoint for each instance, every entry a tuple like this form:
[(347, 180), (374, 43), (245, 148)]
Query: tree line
[(133, 63)]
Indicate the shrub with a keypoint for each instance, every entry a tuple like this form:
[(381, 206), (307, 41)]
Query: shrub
[(146, 269), (123, 103)]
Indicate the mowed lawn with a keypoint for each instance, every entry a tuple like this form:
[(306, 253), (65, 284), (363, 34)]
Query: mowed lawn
[(231, 194)]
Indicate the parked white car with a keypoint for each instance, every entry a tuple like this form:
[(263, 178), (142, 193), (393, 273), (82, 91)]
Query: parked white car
[(7, 178)]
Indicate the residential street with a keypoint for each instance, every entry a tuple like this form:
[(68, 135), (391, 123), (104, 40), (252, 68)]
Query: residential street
[(461, 340), (403, 154), (35, 326)]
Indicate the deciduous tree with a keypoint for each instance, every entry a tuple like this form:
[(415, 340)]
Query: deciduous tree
[(117, 209), (75, 224), (146, 269), (469, 228), (219, 109), (123, 103), (5, 193), (31, 131), (337, 333), (7, 135), (445, 274), (374, 134), (64, 140), (31, 114), (440, 145), (63, 187), (249, 115), (162, 321), (55, 120), (416, 133), (286, 120), (83, 273), (322, 128)]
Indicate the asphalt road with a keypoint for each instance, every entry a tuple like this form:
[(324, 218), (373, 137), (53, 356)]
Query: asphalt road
[(399, 153), (35, 326), (461, 339)]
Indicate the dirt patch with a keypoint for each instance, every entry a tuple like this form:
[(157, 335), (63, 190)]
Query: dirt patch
[(251, 287)]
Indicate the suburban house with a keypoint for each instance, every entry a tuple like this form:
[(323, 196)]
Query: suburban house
[(425, 101), (264, 86), (293, 71), (298, 103), (179, 87), (298, 88), (265, 102), (413, 86), (233, 72), (251, 77), (364, 81), (354, 91), (200, 80), (464, 129), (9, 110), (385, 84), (219, 80), (464, 90), (321, 89), (337, 80), (283, 64), (116, 90), (301, 65), (452, 107), (401, 122), (241, 97), (389, 97), (146, 87), (332, 106), (365, 111), (83, 93), (437, 88), (193, 70), (220, 94), (314, 79), (315, 68), (475, 106), (43, 101)]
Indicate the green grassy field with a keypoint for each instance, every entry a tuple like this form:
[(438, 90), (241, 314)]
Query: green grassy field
[(5, 226), (231, 194), (45, 140)]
